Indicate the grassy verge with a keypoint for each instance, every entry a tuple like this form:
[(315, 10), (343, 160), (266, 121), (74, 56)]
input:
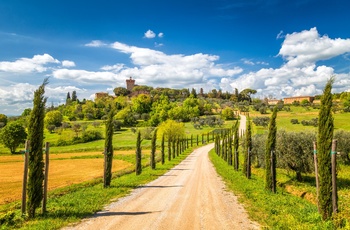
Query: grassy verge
[(70, 204), (272, 211)]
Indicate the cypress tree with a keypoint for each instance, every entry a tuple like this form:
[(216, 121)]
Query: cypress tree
[(138, 166), (108, 150), (174, 147), (36, 162), (153, 150), (169, 149), (248, 148), (162, 150), (229, 160), (270, 183), (324, 145), (235, 146)]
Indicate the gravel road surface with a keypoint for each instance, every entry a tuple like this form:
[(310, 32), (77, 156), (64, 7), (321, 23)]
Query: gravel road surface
[(189, 196)]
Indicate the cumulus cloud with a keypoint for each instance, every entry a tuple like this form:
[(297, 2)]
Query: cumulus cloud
[(67, 63), (95, 43), (160, 35), (300, 74), (88, 77), (16, 97), (308, 47), (38, 63), (150, 34)]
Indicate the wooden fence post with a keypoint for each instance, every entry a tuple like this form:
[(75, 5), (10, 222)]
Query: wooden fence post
[(25, 178), (334, 177), (46, 176), (316, 174)]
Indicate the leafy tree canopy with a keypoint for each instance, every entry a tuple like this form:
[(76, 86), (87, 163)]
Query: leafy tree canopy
[(12, 135)]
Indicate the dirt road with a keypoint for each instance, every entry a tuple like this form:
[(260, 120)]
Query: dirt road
[(242, 125), (190, 196)]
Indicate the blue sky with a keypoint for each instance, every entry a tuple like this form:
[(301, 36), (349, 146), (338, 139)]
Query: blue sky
[(280, 48)]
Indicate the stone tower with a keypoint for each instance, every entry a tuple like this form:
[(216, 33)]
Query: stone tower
[(130, 83)]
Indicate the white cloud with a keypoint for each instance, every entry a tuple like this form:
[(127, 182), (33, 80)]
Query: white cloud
[(150, 34), (67, 63), (38, 63), (280, 35), (156, 44), (88, 77), (307, 47), (16, 97), (160, 35), (114, 68), (95, 43)]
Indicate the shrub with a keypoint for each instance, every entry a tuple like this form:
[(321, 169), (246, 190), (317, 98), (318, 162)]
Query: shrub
[(117, 125), (91, 135), (312, 122), (294, 121), (261, 121)]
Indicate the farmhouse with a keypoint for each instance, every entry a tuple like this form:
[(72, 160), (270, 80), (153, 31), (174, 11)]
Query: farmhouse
[(273, 101), (290, 100)]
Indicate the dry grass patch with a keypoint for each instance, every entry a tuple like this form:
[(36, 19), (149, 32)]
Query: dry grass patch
[(62, 173)]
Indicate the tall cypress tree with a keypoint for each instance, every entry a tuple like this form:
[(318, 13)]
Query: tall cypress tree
[(153, 150), (270, 182), (138, 166), (162, 149), (169, 149), (324, 145), (108, 150), (36, 162), (235, 146), (248, 148)]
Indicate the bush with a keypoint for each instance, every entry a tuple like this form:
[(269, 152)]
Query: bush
[(261, 121), (294, 121), (312, 122), (117, 125), (91, 135)]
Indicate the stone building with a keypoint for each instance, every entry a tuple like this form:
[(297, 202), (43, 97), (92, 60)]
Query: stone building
[(290, 100)]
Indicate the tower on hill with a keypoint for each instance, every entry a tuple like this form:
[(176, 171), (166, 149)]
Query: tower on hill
[(130, 83)]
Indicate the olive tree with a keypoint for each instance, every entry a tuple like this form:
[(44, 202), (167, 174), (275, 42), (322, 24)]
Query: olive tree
[(294, 151), (12, 135)]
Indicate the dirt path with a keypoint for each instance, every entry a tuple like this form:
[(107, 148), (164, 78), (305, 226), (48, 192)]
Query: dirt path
[(242, 125), (190, 196)]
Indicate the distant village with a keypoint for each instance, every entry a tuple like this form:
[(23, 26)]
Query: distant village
[(130, 84)]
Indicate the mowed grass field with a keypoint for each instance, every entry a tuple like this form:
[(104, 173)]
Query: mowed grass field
[(64, 169)]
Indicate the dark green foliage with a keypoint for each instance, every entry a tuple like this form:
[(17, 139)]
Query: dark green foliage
[(247, 149), (153, 150), (36, 163), (270, 182), (229, 157), (162, 150), (138, 167), (312, 122), (92, 135), (294, 152), (12, 135), (261, 121), (343, 146), (169, 149), (235, 146), (108, 150), (294, 121), (324, 144)]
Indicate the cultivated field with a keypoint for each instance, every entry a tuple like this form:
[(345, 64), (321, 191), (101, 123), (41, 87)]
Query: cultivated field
[(65, 169)]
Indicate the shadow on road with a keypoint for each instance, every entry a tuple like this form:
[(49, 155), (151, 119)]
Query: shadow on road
[(106, 213)]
